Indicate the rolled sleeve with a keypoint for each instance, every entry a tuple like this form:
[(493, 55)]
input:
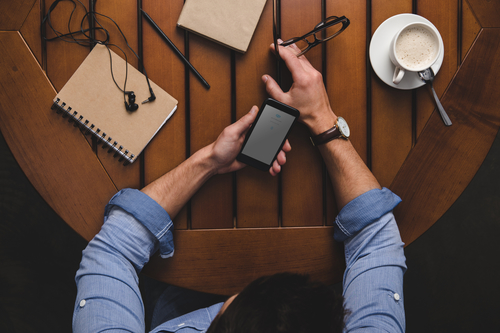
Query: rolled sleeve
[(108, 297), (149, 213), (375, 263), (363, 211)]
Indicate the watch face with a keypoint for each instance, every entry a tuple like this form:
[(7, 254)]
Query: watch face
[(343, 127)]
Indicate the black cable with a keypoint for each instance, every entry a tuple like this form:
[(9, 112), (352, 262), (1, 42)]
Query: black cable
[(91, 40)]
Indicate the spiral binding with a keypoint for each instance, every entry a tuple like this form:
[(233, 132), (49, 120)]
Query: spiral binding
[(100, 135)]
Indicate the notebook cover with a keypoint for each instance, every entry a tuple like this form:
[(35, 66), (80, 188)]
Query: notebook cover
[(92, 93), (228, 22)]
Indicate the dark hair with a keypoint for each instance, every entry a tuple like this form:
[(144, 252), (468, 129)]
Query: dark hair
[(282, 303)]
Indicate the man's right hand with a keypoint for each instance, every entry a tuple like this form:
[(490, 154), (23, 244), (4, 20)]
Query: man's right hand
[(307, 94), (349, 175)]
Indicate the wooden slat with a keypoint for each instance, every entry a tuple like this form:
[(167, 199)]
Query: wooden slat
[(13, 13), (346, 70), (212, 206), (55, 156), (168, 148), (391, 109), (124, 13), (445, 159), (302, 177), (227, 260), (444, 15), (257, 191), (63, 59), (470, 28), (31, 31), (346, 79), (487, 12)]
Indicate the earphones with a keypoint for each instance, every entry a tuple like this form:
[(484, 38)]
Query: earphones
[(131, 105), (89, 40)]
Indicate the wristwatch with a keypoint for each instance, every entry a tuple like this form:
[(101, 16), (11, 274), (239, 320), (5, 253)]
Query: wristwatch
[(339, 130)]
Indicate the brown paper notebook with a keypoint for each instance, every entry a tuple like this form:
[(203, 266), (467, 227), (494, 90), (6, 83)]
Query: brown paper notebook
[(228, 22), (92, 99)]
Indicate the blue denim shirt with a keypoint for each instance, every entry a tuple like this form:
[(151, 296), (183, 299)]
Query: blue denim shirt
[(135, 227)]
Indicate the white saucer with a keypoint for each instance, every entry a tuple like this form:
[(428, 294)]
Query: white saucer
[(379, 51)]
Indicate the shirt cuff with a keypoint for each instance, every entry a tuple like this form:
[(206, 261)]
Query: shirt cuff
[(362, 211), (149, 213)]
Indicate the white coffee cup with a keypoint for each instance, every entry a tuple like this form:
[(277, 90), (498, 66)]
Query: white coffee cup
[(414, 48)]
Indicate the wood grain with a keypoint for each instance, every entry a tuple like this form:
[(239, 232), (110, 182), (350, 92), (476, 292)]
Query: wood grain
[(54, 155), (391, 109), (63, 58), (302, 177), (444, 16), (346, 70), (487, 12), (256, 191), (227, 260), (345, 79), (433, 175), (165, 68), (31, 31), (445, 159), (212, 206), (14, 13), (470, 29)]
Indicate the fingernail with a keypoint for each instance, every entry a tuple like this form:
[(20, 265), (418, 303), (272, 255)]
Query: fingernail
[(253, 109), (265, 78)]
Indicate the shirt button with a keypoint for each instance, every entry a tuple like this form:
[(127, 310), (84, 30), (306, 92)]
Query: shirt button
[(82, 303), (397, 297)]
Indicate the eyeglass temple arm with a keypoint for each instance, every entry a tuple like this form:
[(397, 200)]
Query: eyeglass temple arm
[(345, 23)]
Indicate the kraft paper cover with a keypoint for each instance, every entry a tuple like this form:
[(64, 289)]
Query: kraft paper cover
[(228, 22), (92, 93)]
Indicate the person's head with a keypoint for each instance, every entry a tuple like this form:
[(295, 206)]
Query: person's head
[(282, 303)]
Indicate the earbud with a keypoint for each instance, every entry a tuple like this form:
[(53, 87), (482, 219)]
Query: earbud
[(131, 105)]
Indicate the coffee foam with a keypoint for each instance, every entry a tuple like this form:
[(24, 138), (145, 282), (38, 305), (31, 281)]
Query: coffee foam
[(416, 47)]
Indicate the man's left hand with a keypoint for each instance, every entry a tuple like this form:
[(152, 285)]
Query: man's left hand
[(227, 146)]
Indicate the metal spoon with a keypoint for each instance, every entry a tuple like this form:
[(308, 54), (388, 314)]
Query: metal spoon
[(428, 76)]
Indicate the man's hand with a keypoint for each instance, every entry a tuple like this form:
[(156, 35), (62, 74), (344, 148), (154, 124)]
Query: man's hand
[(224, 150), (349, 175), (307, 94)]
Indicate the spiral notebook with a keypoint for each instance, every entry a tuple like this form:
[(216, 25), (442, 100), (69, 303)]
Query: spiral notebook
[(92, 100)]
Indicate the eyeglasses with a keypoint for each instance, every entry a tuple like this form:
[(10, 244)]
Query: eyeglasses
[(327, 29)]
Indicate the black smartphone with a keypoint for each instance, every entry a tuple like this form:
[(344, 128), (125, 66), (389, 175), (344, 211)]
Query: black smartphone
[(268, 134)]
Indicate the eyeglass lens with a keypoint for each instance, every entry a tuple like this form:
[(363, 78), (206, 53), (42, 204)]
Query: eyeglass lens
[(320, 36)]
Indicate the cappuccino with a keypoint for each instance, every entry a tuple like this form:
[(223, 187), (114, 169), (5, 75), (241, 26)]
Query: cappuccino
[(416, 48)]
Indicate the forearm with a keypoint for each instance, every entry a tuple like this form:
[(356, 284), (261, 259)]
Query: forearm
[(176, 187), (349, 174)]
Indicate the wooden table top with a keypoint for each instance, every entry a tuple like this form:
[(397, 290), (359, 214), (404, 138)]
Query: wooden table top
[(243, 225)]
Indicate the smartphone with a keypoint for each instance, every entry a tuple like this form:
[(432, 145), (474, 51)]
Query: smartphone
[(268, 134)]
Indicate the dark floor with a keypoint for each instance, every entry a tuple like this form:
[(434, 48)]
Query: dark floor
[(451, 284)]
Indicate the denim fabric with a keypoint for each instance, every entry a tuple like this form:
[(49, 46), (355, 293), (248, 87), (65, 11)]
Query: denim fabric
[(136, 226)]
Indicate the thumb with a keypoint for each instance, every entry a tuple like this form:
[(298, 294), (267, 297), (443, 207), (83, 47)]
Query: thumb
[(244, 123), (273, 89)]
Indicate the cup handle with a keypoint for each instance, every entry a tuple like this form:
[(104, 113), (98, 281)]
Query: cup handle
[(398, 75)]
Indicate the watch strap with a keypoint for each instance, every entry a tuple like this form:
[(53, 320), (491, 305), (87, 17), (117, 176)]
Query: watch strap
[(328, 135)]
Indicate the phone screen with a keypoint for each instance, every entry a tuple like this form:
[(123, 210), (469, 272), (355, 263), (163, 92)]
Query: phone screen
[(269, 132)]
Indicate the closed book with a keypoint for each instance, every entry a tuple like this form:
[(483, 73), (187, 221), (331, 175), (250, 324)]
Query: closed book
[(228, 22)]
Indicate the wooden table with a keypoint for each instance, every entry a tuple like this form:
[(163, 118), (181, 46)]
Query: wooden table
[(242, 225)]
